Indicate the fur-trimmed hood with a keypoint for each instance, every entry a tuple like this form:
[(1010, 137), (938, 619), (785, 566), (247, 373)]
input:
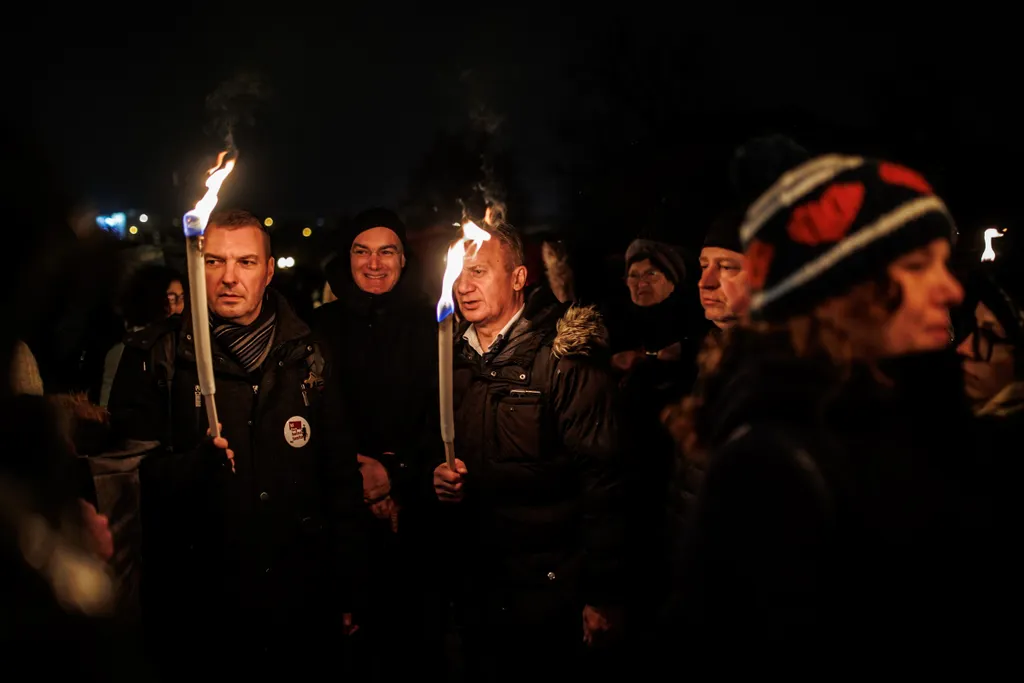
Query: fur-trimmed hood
[(579, 332), (569, 330)]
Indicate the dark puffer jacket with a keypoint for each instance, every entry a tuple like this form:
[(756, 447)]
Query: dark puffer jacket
[(833, 500), (536, 426)]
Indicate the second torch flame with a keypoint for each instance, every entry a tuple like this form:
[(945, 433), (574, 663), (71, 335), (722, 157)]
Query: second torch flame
[(990, 254), (457, 255), (194, 224)]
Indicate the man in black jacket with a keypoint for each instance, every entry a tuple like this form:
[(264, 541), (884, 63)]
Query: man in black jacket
[(250, 567), (539, 529), (381, 336)]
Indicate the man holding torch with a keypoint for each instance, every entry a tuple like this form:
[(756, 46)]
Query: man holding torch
[(535, 481), (254, 558)]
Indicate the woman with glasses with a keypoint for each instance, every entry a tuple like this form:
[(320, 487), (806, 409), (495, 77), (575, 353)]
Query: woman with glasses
[(153, 294), (993, 365)]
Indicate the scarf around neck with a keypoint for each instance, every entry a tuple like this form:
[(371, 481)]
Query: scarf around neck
[(249, 344)]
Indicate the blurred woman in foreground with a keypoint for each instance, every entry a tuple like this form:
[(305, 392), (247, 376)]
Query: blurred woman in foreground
[(57, 593), (834, 424)]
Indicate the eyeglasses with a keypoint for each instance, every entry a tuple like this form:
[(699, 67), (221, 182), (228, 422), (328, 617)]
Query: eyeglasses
[(647, 276), (984, 341), (175, 298)]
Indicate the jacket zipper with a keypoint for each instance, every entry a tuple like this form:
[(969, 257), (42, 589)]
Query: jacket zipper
[(199, 411)]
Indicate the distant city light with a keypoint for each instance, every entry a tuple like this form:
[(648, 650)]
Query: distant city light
[(134, 230), (306, 232), (291, 262), (268, 221), (143, 218), (114, 223), (285, 262)]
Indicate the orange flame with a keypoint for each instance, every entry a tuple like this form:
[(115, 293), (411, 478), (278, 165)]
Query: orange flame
[(218, 174), (457, 253)]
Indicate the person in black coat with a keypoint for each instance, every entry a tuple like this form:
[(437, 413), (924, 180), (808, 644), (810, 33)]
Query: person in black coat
[(260, 552), (381, 336), (834, 422), (536, 491)]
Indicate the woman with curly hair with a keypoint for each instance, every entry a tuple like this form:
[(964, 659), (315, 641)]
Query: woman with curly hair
[(832, 421)]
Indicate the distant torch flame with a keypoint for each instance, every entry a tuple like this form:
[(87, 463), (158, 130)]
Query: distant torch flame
[(196, 218), (990, 254), (457, 253)]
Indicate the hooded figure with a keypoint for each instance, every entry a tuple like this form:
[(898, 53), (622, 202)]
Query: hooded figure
[(381, 334)]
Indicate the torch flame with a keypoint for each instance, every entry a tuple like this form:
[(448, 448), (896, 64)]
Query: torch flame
[(204, 207), (990, 254), (457, 254)]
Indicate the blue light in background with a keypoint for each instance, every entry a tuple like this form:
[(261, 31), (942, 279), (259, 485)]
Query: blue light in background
[(115, 223)]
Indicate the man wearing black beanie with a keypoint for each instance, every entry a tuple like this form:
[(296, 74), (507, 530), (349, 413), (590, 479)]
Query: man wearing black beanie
[(382, 335), (723, 289)]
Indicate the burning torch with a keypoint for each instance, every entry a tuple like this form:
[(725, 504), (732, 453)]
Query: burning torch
[(990, 233), (195, 224), (457, 253)]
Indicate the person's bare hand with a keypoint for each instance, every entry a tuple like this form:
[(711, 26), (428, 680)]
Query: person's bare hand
[(222, 443), (387, 509), (625, 361), (672, 352), (448, 484), (348, 625), (98, 528), (376, 483), (595, 624)]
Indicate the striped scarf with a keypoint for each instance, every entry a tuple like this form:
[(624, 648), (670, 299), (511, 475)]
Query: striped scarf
[(249, 344)]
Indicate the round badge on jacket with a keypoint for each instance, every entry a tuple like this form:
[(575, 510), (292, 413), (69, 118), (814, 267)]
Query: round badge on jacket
[(296, 431)]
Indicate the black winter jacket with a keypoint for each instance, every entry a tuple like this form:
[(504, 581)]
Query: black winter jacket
[(282, 530), (536, 425), (834, 503)]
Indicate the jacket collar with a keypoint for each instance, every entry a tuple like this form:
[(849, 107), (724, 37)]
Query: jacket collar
[(290, 329)]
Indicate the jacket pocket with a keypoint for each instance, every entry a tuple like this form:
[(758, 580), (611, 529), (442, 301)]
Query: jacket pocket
[(519, 427)]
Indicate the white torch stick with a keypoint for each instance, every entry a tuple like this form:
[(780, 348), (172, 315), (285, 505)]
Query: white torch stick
[(445, 329), (194, 224)]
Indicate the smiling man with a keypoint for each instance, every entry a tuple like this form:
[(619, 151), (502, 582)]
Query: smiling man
[(256, 556), (382, 336)]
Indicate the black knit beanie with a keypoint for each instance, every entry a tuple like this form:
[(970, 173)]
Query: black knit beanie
[(725, 231), (830, 223), (666, 257), (376, 217)]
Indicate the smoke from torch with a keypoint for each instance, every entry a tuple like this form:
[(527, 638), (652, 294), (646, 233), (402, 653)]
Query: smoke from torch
[(233, 103)]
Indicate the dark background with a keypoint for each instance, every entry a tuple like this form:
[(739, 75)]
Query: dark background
[(598, 123)]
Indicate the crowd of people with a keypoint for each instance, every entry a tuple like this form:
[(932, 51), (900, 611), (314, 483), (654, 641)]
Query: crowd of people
[(820, 467)]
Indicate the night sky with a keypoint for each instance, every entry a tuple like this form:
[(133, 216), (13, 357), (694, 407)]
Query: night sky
[(356, 97)]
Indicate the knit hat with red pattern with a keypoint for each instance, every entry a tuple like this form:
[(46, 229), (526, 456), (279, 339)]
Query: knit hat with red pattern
[(831, 223)]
